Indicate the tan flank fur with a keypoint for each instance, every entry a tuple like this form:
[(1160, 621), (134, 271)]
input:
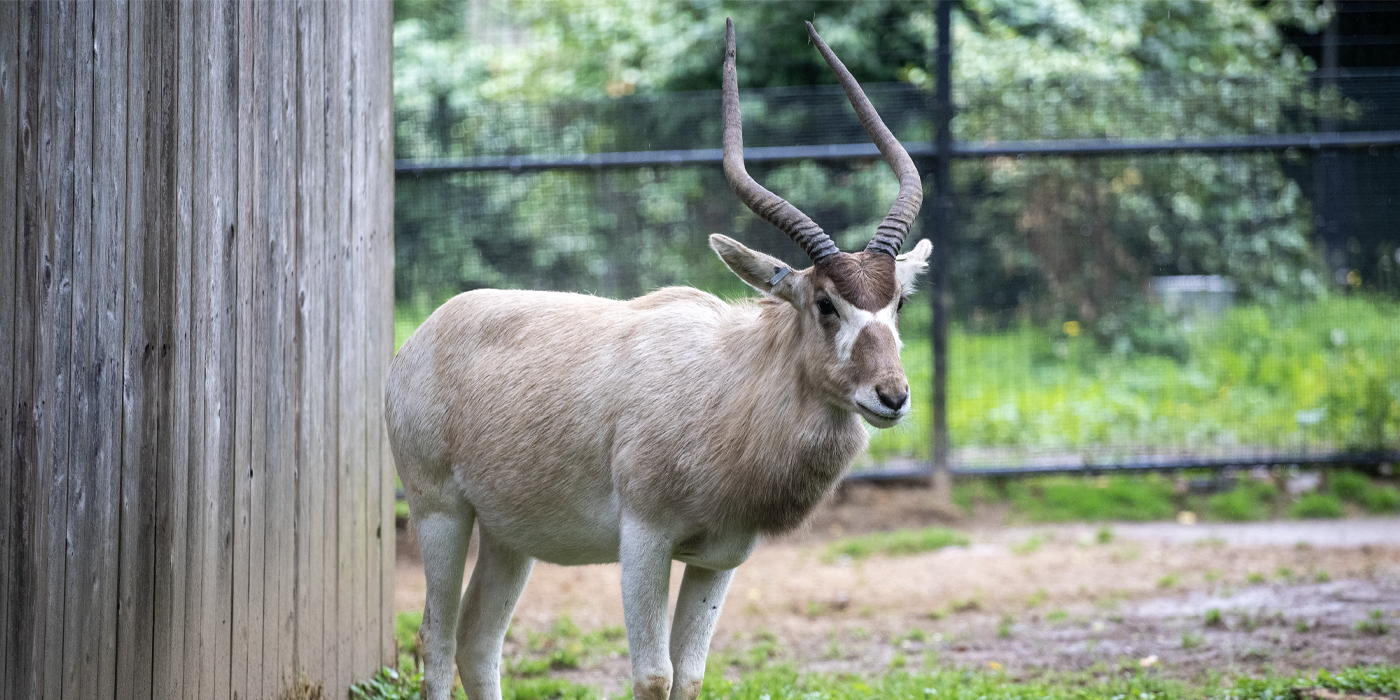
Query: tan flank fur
[(674, 426)]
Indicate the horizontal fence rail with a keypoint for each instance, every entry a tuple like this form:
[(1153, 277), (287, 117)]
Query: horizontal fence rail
[(917, 149)]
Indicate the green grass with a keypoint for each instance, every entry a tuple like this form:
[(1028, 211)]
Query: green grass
[(1263, 377), (763, 675), (1250, 500), (1063, 498), (896, 543), (1155, 497), (1317, 505), (782, 682), (1358, 488)]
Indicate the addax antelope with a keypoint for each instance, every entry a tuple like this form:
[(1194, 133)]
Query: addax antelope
[(579, 430)]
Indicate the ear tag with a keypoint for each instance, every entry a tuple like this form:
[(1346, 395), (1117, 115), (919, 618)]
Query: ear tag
[(901, 257), (778, 274)]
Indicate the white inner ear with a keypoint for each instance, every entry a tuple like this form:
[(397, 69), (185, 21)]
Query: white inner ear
[(913, 265), (854, 320)]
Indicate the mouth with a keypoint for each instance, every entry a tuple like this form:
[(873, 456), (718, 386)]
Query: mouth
[(879, 418)]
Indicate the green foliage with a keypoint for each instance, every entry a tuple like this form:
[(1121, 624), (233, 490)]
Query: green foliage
[(389, 684), (1374, 624), (1359, 489), (1250, 500), (781, 682), (1058, 499), (1259, 376), (1378, 680), (470, 76), (1317, 505), (1349, 485), (897, 543), (1381, 499), (406, 626)]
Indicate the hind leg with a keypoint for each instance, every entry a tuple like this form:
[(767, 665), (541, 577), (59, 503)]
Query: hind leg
[(443, 536), (497, 580)]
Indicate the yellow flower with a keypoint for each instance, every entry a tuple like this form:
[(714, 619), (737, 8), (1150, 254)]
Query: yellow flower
[(1071, 328)]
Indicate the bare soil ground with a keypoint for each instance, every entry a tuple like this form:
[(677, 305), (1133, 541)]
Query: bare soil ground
[(1290, 596)]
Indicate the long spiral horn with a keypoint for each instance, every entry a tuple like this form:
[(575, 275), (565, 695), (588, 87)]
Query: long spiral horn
[(889, 235), (768, 206)]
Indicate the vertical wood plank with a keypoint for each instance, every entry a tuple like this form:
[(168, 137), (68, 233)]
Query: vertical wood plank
[(311, 443), (145, 458), (53, 293), (338, 224), (134, 621), (356, 327), (381, 187), (261, 588), (110, 133), (367, 643), (221, 374), (22, 583), (196, 684), (9, 219), (173, 487), (181, 313), (81, 610), (243, 621), (283, 417)]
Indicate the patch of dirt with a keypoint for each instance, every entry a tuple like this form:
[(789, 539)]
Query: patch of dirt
[(1290, 596)]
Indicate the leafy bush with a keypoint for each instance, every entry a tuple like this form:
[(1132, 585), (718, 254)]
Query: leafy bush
[(1251, 500), (1058, 499), (1349, 485), (1359, 489), (1381, 499), (1317, 505)]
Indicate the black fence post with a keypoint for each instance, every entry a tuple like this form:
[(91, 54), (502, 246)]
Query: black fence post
[(941, 237)]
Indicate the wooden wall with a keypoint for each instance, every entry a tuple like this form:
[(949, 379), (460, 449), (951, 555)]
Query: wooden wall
[(196, 256)]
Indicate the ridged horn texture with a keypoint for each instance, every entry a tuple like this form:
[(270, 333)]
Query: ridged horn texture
[(889, 236), (768, 206)]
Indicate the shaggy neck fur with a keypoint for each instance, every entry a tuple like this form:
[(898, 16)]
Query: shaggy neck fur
[(789, 444)]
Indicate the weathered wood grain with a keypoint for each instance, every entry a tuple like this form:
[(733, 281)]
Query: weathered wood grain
[(172, 524), (379, 98), (312, 257), (196, 188), (361, 228), (99, 646), (24, 591), (54, 294), (222, 469), (244, 418), (196, 299), (339, 222), (9, 168), (80, 608)]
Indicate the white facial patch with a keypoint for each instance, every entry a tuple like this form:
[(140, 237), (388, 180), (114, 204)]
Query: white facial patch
[(855, 319)]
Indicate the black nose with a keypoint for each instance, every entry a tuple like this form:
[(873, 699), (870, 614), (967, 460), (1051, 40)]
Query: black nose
[(895, 402)]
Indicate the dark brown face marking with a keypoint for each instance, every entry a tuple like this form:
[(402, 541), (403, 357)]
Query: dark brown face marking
[(866, 280)]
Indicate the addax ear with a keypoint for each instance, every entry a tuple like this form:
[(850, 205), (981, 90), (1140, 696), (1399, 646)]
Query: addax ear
[(759, 270), (909, 266)]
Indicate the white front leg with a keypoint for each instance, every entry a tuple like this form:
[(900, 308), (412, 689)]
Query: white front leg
[(645, 553), (697, 610)]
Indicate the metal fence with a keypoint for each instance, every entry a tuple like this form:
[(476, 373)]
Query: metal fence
[(1193, 274)]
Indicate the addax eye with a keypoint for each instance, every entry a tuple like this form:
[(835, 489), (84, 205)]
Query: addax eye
[(826, 307), (899, 308)]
